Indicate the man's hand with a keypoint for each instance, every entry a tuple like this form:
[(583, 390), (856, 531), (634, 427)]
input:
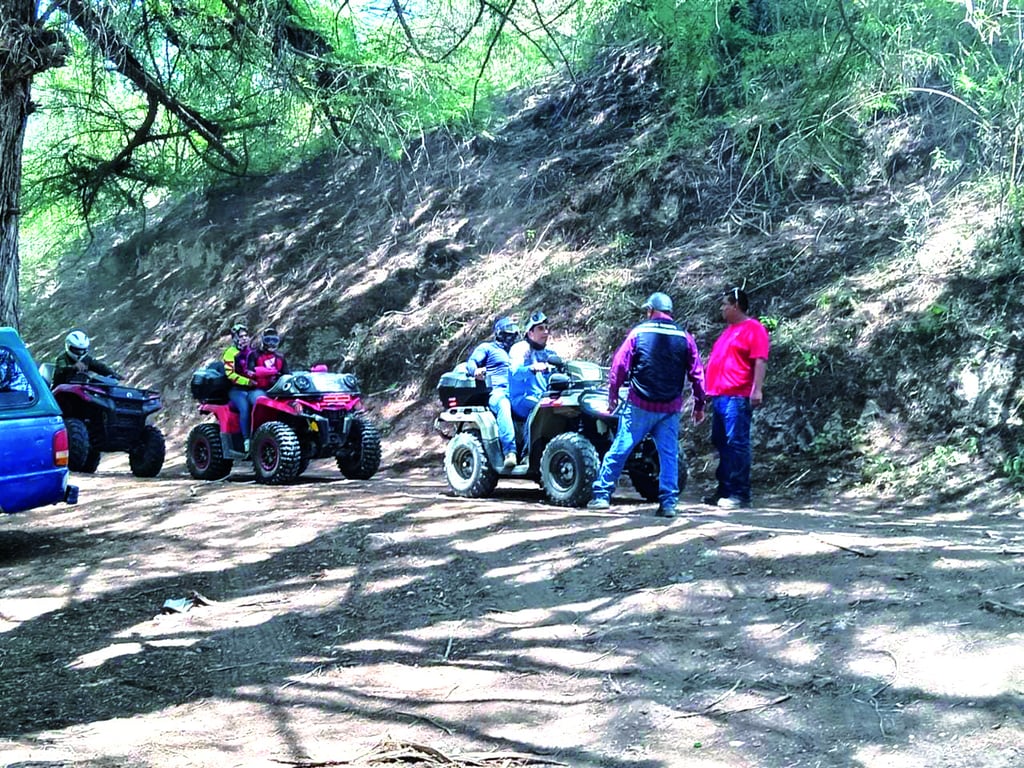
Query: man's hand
[(479, 373), (698, 415), (756, 397)]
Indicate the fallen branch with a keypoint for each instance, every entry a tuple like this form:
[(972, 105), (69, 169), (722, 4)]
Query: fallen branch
[(710, 706), (402, 752), (709, 710), (857, 552), (997, 607), (772, 703)]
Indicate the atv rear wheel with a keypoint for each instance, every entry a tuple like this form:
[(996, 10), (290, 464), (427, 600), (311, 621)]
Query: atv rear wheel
[(82, 457), (359, 459), (568, 468), (467, 467), (643, 473), (276, 453), (146, 458), (204, 456)]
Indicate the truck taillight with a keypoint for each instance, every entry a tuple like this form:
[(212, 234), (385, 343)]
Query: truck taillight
[(60, 448)]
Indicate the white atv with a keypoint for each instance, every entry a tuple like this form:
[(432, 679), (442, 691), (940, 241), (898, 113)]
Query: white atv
[(570, 431)]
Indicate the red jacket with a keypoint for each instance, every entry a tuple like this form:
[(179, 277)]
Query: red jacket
[(263, 367)]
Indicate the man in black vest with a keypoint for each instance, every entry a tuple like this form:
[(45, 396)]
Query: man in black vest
[(655, 360)]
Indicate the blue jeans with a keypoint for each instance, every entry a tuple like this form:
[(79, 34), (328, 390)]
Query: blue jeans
[(501, 407), (634, 425), (730, 434), (244, 400), (240, 399)]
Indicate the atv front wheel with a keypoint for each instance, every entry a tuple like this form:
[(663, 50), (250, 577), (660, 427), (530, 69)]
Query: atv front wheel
[(276, 453), (147, 457), (359, 459), (568, 468), (204, 456), (467, 467), (82, 457), (643, 472)]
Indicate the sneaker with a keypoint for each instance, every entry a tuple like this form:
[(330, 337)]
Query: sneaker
[(711, 499), (666, 512), (510, 460), (731, 502), (598, 503)]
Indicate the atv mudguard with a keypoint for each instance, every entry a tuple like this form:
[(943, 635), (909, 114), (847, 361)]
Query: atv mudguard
[(483, 421)]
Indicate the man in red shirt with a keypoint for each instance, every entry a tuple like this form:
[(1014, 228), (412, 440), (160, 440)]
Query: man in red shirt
[(734, 377)]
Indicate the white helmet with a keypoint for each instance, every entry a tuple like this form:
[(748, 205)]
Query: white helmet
[(76, 344)]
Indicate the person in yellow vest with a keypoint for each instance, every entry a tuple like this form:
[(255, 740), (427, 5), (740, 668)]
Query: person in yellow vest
[(241, 385)]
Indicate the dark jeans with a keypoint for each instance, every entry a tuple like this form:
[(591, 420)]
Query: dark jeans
[(244, 400), (240, 399), (730, 434)]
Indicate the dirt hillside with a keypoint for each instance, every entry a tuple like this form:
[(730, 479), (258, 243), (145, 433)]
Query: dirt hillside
[(866, 613), (393, 269)]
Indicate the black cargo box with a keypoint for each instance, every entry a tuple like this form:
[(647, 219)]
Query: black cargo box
[(210, 384), (459, 388)]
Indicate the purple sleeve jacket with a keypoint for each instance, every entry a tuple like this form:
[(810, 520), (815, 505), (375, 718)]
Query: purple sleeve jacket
[(649, 360)]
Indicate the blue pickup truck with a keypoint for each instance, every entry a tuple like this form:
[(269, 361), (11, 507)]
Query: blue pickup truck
[(33, 440)]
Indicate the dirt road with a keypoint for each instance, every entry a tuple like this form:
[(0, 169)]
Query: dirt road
[(342, 615)]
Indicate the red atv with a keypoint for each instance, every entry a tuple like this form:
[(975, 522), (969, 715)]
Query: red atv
[(304, 416), (103, 415)]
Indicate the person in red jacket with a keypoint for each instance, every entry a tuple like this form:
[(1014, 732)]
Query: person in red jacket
[(263, 365)]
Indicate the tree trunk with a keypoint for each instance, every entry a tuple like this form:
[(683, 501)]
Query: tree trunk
[(15, 96), (25, 50)]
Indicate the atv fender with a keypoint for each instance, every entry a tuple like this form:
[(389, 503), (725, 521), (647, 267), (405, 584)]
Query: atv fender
[(269, 409), (226, 416), (481, 419)]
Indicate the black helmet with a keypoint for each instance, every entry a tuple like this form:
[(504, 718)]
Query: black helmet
[(506, 331), (659, 302)]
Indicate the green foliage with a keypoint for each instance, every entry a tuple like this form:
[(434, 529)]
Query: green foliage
[(1013, 468), (170, 95), (933, 320), (797, 84)]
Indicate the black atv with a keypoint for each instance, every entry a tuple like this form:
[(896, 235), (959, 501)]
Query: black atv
[(570, 431), (103, 416)]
